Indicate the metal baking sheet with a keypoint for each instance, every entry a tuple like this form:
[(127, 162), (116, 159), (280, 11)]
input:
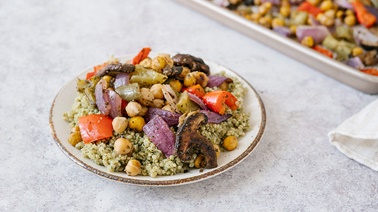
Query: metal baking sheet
[(337, 70)]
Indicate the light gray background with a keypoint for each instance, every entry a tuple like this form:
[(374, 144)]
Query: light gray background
[(45, 44)]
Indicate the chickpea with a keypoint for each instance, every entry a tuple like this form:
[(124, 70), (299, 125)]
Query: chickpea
[(133, 109), (339, 14), (217, 150), (285, 11), (266, 21), (158, 63), (349, 12), (350, 20), (190, 80), (264, 8), (146, 97), (293, 29), (119, 124), (167, 108), (144, 111), (168, 60), (106, 81), (230, 143), (136, 123), (185, 71), (326, 5), (122, 146), (147, 62), (308, 41), (75, 136), (314, 2), (201, 78), (157, 91), (176, 85), (255, 17), (330, 13), (133, 167), (200, 161), (357, 51), (277, 22), (158, 103)]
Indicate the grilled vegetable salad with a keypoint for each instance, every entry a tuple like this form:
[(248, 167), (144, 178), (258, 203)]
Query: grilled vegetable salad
[(156, 116)]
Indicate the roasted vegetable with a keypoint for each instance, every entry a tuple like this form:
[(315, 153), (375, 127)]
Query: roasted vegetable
[(185, 105), (193, 63), (146, 77)]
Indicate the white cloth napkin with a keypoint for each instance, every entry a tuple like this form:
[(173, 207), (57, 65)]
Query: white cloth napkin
[(357, 137)]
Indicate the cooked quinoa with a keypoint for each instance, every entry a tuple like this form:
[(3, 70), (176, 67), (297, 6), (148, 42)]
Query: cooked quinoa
[(153, 161)]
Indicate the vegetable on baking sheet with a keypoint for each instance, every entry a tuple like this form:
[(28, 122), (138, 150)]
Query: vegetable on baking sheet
[(95, 127), (323, 51), (217, 101), (371, 71), (143, 54), (364, 17), (308, 7)]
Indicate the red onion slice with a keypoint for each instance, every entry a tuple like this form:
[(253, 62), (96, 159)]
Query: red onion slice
[(159, 133), (285, 31), (115, 103), (102, 99), (215, 80), (344, 4), (171, 118), (121, 79), (197, 100), (317, 32), (355, 62), (215, 118)]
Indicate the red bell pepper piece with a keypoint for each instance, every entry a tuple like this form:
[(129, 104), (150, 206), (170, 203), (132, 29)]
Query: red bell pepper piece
[(308, 7), (364, 17), (196, 90), (217, 101), (371, 71), (143, 54), (323, 51), (95, 127)]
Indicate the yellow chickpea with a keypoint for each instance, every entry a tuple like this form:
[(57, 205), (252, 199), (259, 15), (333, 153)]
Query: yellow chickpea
[(285, 11), (200, 162), (201, 78), (119, 124), (136, 123), (75, 136), (326, 5), (277, 22), (122, 146), (133, 167), (157, 91), (350, 20), (190, 80), (158, 63), (308, 41), (230, 143), (176, 85), (357, 51)]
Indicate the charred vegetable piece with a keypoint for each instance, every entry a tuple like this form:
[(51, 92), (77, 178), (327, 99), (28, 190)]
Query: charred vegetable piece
[(88, 88), (143, 54), (363, 15), (161, 135), (116, 68), (95, 127), (129, 92), (190, 141), (146, 77), (369, 58), (175, 71), (217, 101), (365, 38), (185, 105), (193, 63)]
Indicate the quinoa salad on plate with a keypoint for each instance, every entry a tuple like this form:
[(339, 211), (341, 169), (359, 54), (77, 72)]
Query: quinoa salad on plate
[(157, 116)]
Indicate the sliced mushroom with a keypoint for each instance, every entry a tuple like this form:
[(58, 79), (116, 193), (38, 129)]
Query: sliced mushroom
[(116, 68), (193, 63), (190, 141)]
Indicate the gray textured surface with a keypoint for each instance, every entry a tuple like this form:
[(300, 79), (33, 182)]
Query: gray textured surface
[(44, 44)]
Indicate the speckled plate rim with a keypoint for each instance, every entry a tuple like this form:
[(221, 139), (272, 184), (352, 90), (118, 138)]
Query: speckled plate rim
[(184, 180)]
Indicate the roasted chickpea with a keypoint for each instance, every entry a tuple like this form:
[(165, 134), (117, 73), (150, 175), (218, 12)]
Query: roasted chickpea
[(136, 123), (185, 71), (325, 5), (357, 51), (75, 136), (308, 41), (158, 63), (176, 85), (133, 167), (157, 91), (147, 62), (200, 161), (106, 80), (119, 124), (201, 78), (167, 108), (224, 86), (144, 111), (146, 97), (133, 109), (230, 143), (350, 20), (285, 11), (122, 146), (190, 80), (158, 103)]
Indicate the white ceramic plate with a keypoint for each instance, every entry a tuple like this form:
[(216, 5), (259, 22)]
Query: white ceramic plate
[(253, 104)]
